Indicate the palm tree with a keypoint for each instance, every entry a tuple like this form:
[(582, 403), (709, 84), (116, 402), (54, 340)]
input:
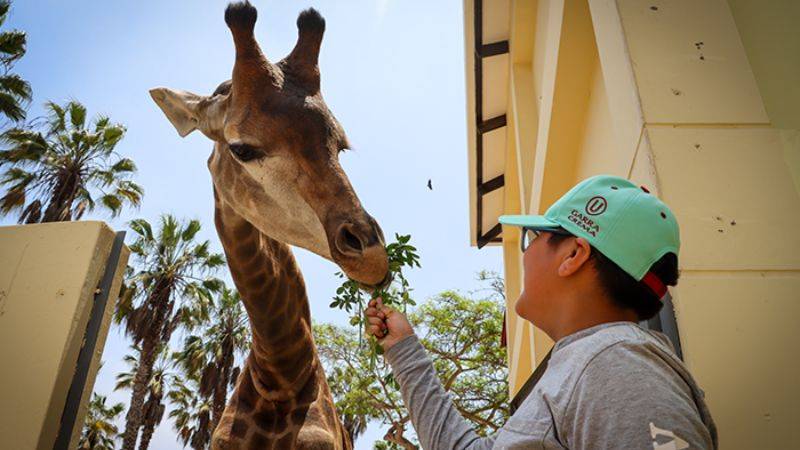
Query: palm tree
[(66, 171), (191, 416), (170, 287), (154, 405), (99, 430), (14, 91), (211, 353)]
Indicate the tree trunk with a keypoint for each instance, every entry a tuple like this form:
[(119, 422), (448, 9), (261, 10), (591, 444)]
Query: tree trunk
[(144, 371), (133, 420), (147, 435), (221, 389), (58, 209)]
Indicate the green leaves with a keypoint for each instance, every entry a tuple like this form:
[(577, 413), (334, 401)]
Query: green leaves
[(73, 166), (172, 277), (124, 165), (15, 92), (10, 106), (15, 85), (113, 203), (142, 228), (99, 430), (58, 117), (77, 114), (190, 230), (112, 135), (12, 45), (350, 297), (462, 337)]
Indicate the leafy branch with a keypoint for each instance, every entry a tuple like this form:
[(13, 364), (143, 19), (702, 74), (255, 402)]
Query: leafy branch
[(350, 296)]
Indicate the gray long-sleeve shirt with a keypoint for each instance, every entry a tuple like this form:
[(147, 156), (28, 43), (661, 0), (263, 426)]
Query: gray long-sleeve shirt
[(615, 385)]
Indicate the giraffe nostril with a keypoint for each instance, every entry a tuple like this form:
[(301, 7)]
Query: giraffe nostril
[(351, 240), (348, 242)]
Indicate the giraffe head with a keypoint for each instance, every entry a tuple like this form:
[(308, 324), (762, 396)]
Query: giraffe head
[(276, 151)]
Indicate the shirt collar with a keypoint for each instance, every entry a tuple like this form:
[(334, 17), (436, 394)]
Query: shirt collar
[(566, 340)]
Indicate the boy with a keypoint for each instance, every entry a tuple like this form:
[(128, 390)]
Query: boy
[(597, 263)]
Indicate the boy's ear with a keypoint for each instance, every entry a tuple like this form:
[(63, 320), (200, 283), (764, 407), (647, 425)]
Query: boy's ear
[(180, 107), (575, 257)]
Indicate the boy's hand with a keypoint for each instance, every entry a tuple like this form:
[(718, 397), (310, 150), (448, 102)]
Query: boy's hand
[(386, 324)]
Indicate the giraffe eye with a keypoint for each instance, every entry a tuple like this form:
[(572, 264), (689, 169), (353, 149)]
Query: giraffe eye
[(244, 152)]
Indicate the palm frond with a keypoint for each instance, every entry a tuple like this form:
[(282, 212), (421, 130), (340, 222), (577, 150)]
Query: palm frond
[(57, 117), (77, 114), (112, 134), (5, 6), (123, 165), (13, 199), (10, 107), (16, 86), (12, 45), (190, 230), (26, 146), (112, 202), (32, 213), (142, 228)]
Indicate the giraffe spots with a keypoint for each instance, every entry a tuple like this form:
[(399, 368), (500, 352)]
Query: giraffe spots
[(248, 255), (267, 418), (239, 427), (286, 442), (296, 369), (299, 415), (282, 326), (243, 231), (329, 413), (308, 393), (284, 393), (259, 441), (286, 356), (283, 407), (254, 278), (246, 395), (267, 381)]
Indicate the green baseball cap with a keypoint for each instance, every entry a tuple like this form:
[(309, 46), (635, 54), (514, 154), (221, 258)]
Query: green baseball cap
[(625, 222)]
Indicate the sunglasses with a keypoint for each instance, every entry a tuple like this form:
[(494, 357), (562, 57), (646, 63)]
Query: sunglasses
[(529, 234)]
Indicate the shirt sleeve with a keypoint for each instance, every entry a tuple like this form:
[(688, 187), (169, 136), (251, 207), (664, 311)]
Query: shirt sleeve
[(628, 397), (438, 423)]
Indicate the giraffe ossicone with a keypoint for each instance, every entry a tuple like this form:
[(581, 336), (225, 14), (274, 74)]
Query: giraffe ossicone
[(278, 182)]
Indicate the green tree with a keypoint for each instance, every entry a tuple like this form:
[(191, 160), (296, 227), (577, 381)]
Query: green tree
[(154, 406), (211, 353), (191, 416), (461, 334), (99, 431), (15, 92), (169, 286), (66, 171)]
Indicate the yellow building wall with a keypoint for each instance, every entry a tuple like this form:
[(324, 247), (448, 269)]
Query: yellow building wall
[(679, 96), (48, 277)]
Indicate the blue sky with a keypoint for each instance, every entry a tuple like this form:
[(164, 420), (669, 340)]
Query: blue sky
[(392, 73)]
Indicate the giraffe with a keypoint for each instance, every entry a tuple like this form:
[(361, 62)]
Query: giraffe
[(277, 182)]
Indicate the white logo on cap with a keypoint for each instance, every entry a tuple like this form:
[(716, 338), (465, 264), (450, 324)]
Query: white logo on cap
[(596, 205)]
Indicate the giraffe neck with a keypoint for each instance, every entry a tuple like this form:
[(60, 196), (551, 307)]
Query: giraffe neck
[(283, 356)]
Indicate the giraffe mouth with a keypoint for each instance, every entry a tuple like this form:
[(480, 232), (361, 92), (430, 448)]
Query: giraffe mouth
[(387, 280)]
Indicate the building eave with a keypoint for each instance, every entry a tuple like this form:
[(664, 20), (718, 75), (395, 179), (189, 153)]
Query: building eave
[(486, 46)]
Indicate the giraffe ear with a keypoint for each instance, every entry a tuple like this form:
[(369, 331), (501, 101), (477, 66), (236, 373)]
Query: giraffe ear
[(180, 107)]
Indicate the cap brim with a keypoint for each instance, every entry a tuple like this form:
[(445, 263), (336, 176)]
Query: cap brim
[(528, 221)]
